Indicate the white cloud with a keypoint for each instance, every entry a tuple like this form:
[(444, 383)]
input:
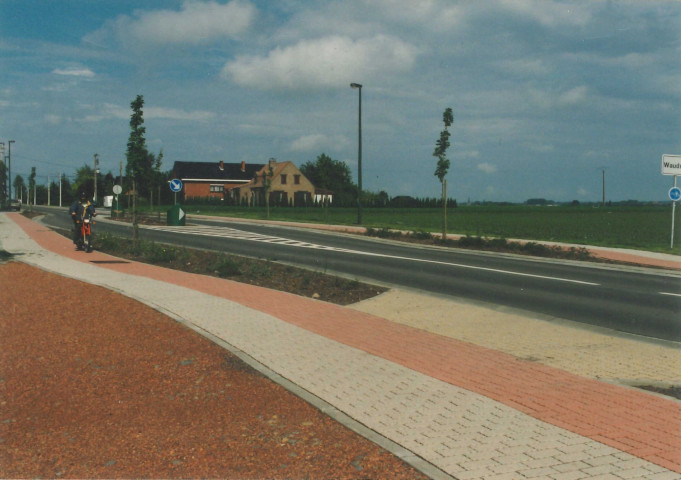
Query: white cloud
[(327, 62), (53, 119), (175, 114), (74, 72), (319, 142), (196, 23), (487, 167), (573, 96), (526, 67), (109, 110), (549, 100), (551, 13)]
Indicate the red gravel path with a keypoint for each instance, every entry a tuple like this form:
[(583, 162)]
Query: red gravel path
[(93, 384)]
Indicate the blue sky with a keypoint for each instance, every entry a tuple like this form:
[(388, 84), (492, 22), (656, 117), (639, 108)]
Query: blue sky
[(546, 94)]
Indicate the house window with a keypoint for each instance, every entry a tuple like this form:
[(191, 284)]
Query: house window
[(216, 188), (283, 179), (296, 179)]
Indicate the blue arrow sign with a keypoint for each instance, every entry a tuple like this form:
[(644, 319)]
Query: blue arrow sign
[(675, 193), (175, 185)]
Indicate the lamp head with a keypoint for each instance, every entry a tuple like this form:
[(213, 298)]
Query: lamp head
[(355, 85)]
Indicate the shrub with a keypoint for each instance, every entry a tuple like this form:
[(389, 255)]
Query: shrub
[(109, 243), (156, 253), (468, 241), (383, 233), (421, 235), (226, 267)]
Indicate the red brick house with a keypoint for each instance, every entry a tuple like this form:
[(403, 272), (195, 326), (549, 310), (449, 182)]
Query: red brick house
[(239, 183), (213, 179)]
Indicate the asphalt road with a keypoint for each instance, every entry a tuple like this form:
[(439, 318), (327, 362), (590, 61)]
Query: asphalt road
[(640, 302)]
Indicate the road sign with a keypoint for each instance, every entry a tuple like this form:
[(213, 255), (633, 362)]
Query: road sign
[(675, 194), (175, 185), (671, 164), (117, 189)]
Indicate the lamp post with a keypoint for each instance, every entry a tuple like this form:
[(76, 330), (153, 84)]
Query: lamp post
[(4, 159), (9, 167), (359, 155), (94, 197)]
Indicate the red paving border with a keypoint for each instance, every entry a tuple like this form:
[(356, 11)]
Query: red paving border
[(641, 424)]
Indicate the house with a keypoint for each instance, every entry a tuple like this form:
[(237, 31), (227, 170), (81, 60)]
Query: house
[(288, 187), (243, 183), (213, 179)]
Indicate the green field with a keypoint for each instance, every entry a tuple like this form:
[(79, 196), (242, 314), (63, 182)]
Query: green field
[(638, 227)]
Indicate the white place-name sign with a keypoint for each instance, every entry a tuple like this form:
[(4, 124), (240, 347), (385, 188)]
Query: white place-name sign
[(671, 164)]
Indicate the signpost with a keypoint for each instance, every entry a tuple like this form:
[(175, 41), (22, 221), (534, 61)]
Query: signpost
[(117, 189), (176, 186), (671, 165), (176, 215)]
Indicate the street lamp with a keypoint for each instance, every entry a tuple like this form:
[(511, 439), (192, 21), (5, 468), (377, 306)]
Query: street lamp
[(3, 157), (359, 155), (9, 167), (94, 197)]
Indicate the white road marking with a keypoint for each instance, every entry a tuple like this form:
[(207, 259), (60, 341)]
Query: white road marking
[(227, 232), (670, 294)]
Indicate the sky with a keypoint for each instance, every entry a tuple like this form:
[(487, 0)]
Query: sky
[(549, 97)]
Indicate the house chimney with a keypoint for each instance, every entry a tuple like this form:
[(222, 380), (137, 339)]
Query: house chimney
[(243, 166), (222, 165), (272, 162)]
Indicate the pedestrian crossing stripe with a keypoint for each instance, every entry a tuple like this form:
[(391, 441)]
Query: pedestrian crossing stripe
[(227, 232)]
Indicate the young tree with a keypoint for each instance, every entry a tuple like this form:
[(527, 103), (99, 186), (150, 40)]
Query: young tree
[(31, 185), (3, 183), (440, 152), (267, 185), (137, 166), (19, 187), (156, 179)]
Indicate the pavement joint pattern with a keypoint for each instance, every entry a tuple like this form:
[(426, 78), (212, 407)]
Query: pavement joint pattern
[(472, 411)]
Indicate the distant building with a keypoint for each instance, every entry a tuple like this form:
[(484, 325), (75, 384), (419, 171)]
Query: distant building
[(289, 186), (211, 179), (239, 183)]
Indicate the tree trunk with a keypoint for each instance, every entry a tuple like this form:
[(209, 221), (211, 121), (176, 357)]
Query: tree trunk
[(134, 215), (444, 210)]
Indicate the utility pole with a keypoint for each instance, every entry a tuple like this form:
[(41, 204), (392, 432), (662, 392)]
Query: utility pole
[(60, 189), (9, 168), (3, 158), (358, 87), (96, 167), (602, 169), (48, 191)]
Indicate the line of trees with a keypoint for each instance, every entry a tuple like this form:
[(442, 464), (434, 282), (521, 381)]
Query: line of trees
[(145, 179)]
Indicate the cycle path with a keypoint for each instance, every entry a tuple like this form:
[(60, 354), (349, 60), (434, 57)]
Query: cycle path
[(468, 410)]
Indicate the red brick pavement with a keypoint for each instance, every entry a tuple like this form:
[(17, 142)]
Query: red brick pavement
[(636, 422)]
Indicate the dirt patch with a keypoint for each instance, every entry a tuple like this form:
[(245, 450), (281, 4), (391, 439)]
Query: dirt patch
[(674, 391), (96, 385)]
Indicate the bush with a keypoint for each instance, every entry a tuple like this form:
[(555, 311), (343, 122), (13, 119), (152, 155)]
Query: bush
[(156, 253), (471, 242), (226, 267), (421, 235), (383, 233), (536, 249), (108, 243)]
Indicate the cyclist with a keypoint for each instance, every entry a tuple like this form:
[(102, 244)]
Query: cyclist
[(79, 210)]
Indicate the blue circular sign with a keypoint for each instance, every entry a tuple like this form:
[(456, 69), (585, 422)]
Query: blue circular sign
[(175, 185), (675, 193)]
